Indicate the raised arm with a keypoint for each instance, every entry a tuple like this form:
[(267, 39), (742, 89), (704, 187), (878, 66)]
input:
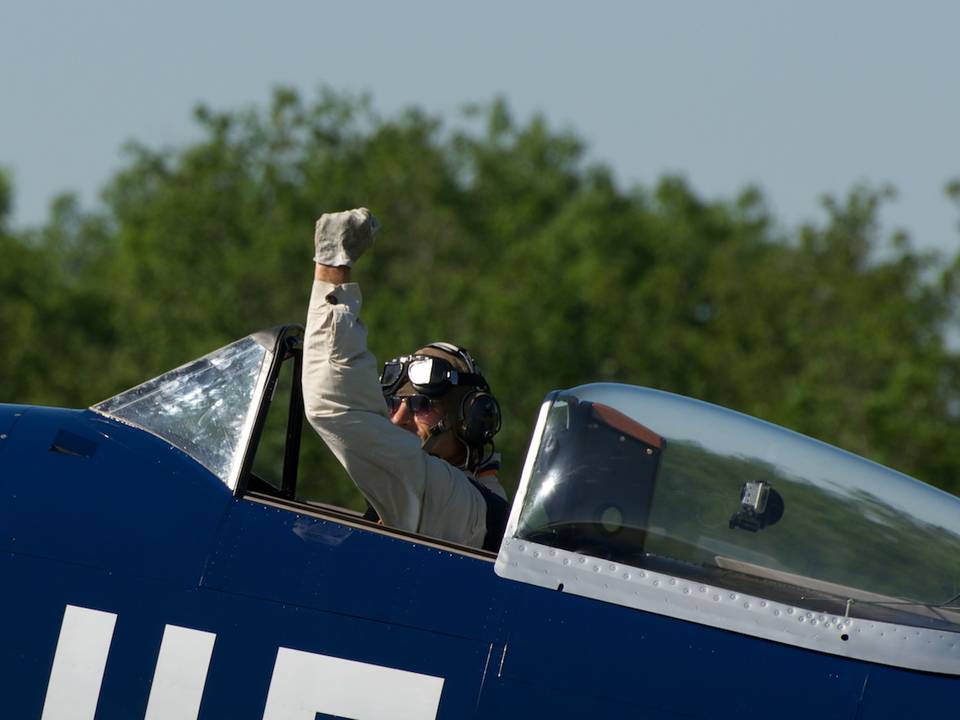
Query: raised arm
[(408, 488)]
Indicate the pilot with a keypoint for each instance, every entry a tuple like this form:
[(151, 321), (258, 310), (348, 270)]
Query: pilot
[(418, 443)]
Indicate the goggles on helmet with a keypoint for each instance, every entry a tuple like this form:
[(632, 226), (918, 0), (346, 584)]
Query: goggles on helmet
[(416, 404), (428, 375)]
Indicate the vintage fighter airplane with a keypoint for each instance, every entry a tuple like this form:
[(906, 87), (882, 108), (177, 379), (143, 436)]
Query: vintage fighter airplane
[(664, 558)]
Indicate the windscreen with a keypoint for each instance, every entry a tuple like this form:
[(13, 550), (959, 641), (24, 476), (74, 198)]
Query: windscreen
[(682, 487), (205, 407)]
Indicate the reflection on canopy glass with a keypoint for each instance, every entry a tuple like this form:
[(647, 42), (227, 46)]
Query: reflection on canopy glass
[(685, 488), (203, 407)]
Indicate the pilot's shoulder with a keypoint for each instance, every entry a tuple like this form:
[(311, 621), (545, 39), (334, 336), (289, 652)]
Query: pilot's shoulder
[(487, 475)]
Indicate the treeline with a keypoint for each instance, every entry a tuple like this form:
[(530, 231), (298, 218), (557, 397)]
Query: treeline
[(500, 236)]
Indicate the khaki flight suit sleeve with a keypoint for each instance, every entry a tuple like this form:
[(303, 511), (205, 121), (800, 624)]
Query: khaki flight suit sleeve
[(408, 488)]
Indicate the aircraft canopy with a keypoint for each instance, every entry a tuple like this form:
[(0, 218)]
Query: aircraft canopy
[(685, 488)]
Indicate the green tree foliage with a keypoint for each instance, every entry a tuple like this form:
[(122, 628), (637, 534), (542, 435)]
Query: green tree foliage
[(55, 310), (501, 236)]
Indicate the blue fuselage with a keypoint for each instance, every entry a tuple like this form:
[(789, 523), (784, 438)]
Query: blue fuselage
[(98, 515)]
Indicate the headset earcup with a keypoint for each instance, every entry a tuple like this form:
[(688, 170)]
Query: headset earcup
[(479, 418)]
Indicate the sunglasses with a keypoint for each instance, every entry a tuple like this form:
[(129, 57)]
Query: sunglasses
[(416, 404)]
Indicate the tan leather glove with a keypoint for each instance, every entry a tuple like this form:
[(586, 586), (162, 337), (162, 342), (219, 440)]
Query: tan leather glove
[(342, 237)]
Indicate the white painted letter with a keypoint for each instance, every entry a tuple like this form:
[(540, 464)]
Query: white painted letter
[(304, 684), (180, 675), (78, 664)]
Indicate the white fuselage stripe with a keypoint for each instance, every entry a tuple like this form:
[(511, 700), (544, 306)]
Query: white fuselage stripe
[(78, 664), (181, 674)]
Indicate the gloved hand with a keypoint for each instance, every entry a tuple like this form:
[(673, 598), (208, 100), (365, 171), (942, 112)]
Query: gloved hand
[(342, 237)]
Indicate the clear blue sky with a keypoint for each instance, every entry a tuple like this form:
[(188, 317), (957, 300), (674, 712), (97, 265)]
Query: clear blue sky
[(800, 98)]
